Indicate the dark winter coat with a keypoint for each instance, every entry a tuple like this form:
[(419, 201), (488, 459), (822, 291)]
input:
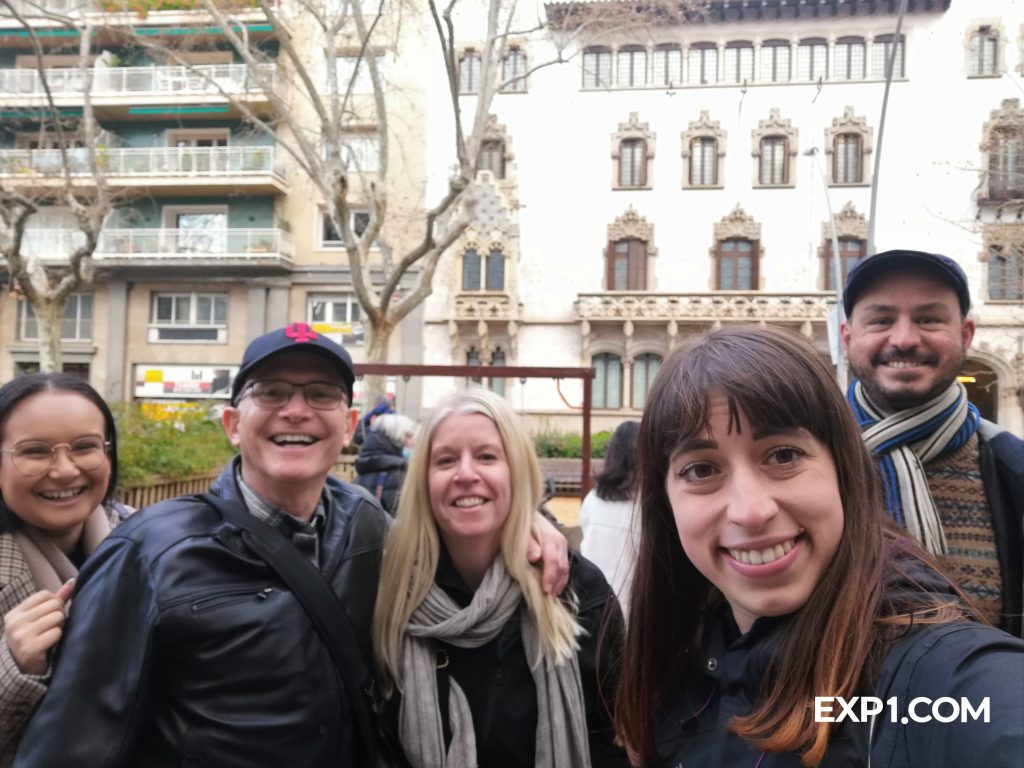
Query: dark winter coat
[(381, 469), (184, 648)]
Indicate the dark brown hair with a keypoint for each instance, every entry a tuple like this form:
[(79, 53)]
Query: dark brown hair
[(779, 381)]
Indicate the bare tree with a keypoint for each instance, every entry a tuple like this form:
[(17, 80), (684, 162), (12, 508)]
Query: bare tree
[(66, 176)]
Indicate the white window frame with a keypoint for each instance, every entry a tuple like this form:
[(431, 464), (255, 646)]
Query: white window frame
[(157, 327), (75, 307), (355, 214), (331, 302)]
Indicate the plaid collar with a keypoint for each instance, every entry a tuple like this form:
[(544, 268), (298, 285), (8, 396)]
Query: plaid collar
[(304, 535)]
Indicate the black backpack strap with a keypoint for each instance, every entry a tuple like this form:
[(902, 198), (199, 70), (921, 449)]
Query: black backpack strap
[(320, 602)]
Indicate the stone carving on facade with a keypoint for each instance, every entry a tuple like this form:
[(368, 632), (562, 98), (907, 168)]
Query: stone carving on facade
[(1007, 121), (489, 307), (851, 124), (741, 306), (776, 126), (849, 223), (632, 225), (495, 131), (737, 223), (634, 129), (703, 128)]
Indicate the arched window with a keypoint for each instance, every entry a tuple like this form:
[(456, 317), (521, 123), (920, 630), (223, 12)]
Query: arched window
[(703, 162), (812, 60), (471, 270), (513, 71), (469, 71), (492, 157), (848, 159), (881, 49), (739, 62), (667, 65), (497, 383), (851, 250), (702, 64), (495, 276), (774, 165), (984, 53), (473, 358), (1006, 273), (607, 381), (775, 61), (850, 58), (737, 264), (597, 67), (633, 163), (632, 66), (627, 265), (645, 368)]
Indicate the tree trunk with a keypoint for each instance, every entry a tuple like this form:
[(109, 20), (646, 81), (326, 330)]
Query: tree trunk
[(376, 352), (49, 314)]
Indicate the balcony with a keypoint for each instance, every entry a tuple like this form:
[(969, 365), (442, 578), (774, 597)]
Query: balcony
[(703, 308), (125, 93), (158, 170), (172, 247), (172, 11)]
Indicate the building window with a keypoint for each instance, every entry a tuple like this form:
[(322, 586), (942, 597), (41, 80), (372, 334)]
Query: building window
[(469, 71), (850, 58), (597, 68), (492, 157), (337, 315), (773, 164), (1006, 273), (881, 49), (329, 236), (483, 274), (851, 250), (354, 71), (189, 317), (513, 71), (497, 383), (360, 153), (667, 65), (812, 60), (473, 358), (739, 63), (703, 162), (627, 265), (633, 163), (775, 61), (1006, 164), (702, 64), (75, 323), (737, 265), (984, 53), (632, 66), (848, 159), (645, 368), (607, 381)]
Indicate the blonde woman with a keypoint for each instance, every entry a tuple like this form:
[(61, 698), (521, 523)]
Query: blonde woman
[(480, 666)]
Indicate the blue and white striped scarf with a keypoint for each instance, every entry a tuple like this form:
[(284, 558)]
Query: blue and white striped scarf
[(904, 442)]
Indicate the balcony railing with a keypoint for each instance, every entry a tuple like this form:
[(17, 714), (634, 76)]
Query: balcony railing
[(194, 244), (30, 8), (148, 161), (49, 244), (202, 79)]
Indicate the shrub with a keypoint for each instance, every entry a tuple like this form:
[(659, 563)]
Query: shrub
[(174, 448), (562, 445)]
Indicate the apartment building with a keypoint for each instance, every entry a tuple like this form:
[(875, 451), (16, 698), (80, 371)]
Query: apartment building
[(687, 173)]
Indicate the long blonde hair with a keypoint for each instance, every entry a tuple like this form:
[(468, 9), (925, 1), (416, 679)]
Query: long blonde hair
[(412, 547)]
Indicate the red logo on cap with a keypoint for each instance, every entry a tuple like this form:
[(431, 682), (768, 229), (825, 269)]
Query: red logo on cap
[(299, 332)]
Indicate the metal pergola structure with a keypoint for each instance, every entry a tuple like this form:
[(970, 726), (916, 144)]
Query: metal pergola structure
[(521, 372)]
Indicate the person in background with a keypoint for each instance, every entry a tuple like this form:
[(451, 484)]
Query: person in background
[(482, 667), (58, 472), (607, 516), (953, 479), (382, 405), (770, 582), (384, 456)]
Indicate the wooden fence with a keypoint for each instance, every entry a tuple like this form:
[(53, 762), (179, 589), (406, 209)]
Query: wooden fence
[(159, 489)]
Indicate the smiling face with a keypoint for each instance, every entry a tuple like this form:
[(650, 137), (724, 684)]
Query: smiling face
[(758, 514), (288, 451), (905, 339), (58, 501), (469, 481)]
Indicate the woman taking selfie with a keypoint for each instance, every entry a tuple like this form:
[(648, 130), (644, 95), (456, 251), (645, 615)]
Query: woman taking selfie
[(769, 577), (482, 667), (58, 470)]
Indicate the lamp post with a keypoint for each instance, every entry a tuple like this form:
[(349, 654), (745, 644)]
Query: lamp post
[(835, 343)]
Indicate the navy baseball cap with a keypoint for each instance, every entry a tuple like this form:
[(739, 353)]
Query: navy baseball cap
[(943, 267), (295, 336)]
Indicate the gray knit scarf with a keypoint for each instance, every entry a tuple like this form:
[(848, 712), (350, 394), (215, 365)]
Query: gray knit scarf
[(561, 720)]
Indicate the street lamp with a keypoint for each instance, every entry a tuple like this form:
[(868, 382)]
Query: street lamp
[(837, 316)]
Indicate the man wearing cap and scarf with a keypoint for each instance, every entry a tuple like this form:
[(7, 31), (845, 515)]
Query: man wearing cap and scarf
[(953, 479), (184, 646)]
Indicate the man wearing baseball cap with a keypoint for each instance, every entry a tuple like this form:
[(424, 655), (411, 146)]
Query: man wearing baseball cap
[(188, 644), (953, 479)]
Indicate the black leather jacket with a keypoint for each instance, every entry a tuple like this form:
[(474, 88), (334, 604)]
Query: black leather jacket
[(183, 648), (380, 464)]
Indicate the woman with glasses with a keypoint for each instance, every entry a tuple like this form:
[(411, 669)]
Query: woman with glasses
[(58, 471), (482, 667)]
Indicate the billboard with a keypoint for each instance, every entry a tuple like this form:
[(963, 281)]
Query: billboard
[(188, 382)]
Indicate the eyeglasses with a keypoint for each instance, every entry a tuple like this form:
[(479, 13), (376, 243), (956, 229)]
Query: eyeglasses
[(35, 458), (271, 393)]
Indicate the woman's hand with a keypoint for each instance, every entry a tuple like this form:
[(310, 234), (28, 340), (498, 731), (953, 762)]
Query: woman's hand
[(549, 546), (34, 626)]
